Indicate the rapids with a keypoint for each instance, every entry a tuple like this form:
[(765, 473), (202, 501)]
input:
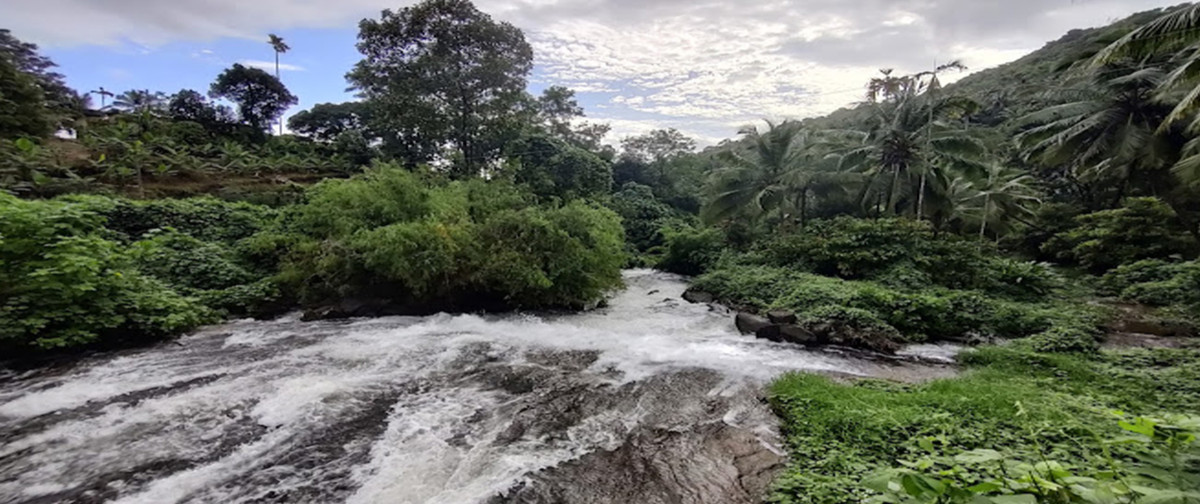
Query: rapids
[(650, 399)]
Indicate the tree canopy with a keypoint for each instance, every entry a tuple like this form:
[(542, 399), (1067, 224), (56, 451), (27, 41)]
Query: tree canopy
[(259, 96)]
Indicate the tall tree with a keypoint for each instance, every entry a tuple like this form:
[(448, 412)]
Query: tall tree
[(776, 174), (278, 45), (259, 96), (556, 110), (190, 105), (326, 121), (62, 102), (23, 109), (441, 73)]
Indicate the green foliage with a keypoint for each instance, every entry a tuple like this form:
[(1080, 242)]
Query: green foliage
[(1065, 339), (1022, 407), (62, 285), (22, 106), (905, 253), (458, 246), (690, 250), (328, 121), (643, 216), (928, 313), (554, 168), (260, 97), (206, 219), (439, 73), (1143, 228)]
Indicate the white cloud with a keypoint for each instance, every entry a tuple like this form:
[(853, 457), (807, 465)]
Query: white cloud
[(270, 65), (699, 65)]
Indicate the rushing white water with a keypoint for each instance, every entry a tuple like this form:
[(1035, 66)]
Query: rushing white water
[(440, 409)]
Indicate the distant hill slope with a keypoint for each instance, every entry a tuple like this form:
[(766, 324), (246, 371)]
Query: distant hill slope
[(1015, 88)]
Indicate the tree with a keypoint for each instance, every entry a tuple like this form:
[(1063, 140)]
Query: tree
[(190, 105), (657, 146), (1177, 31), (556, 110), (442, 73), (552, 167), (63, 103), (911, 136), (280, 47), (23, 109), (139, 100), (1008, 195), (778, 173), (260, 97), (1110, 136), (326, 121)]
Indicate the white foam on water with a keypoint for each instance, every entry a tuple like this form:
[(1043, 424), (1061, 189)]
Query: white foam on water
[(272, 385)]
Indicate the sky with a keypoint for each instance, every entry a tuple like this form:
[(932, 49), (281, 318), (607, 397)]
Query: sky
[(704, 67)]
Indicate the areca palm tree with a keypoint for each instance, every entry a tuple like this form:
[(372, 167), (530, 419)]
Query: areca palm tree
[(278, 45), (778, 172)]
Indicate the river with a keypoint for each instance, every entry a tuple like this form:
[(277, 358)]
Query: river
[(650, 400)]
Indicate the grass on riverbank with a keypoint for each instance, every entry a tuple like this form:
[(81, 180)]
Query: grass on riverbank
[(1026, 406)]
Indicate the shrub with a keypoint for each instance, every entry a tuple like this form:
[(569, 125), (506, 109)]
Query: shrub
[(205, 218), (1144, 228), (1122, 277), (690, 250), (1064, 339), (63, 286), (906, 254), (210, 272), (457, 246)]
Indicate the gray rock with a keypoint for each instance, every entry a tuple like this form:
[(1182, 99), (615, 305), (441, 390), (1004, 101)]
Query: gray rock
[(696, 296), (770, 332), (793, 333), (781, 317), (749, 323)]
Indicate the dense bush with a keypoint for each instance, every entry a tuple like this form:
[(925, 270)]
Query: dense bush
[(690, 250), (206, 218), (426, 247), (1065, 339), (933, 312), (212, 272), (1155, 282), (643, 216), (62, 285), (907, 254), (1144, 228)]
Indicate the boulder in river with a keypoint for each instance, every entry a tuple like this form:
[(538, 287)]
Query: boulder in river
[(698, 296), (781, 317), (749, 323), (793, 333)]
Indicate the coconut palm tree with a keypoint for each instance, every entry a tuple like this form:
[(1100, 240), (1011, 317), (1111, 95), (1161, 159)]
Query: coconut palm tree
[(1007, 194), (280, 47), (911, 135), (778, 172), (1108, 131), (1176, 32)]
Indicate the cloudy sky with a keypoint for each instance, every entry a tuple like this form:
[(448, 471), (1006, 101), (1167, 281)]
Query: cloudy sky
[(705, 67)]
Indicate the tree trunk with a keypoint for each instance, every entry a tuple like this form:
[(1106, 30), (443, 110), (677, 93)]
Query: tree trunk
[(921, 199), (803, 206), (987, 201), (278, 78)]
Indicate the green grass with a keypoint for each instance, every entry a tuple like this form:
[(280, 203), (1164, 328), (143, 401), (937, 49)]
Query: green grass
[(1057, 406)]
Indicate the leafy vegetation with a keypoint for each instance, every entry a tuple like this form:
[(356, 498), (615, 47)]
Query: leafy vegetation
[(1018, 427)]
